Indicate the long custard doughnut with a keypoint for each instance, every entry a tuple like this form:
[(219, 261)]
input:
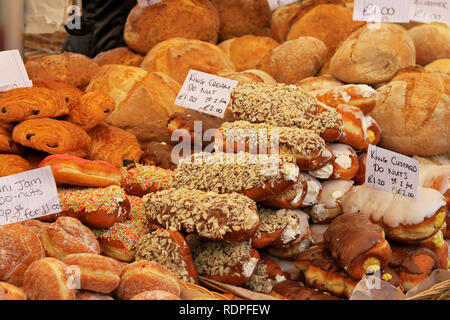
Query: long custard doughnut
[(313, 191), (438, 245), (329, 205), (358, 95), (345, 164), (139, 180), (358, 245), (293, 290), (230, 217), (403, 219), (267, 274), (305, 146), (360, 176), (292, 198), (359, 130), (259, 177), (284, 106)]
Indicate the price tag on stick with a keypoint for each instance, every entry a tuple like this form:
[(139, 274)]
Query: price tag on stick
[(381, 11), (28, 195), (13, 73), (206, 93), (429, 11), (392, 172)]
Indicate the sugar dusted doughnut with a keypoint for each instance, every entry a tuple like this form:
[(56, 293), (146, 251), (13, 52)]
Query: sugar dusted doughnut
[(345, 164), (403, 219), (97, 273), (70, 170), (144, 275), (19, 247), (10, 292), (155, 295), (66, 236), (48, 279), (139, 180)]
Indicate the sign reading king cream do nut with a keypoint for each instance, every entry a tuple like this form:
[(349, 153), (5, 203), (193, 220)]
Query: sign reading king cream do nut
[(28, 195), (392, 172), (429, 11), (206, 93)]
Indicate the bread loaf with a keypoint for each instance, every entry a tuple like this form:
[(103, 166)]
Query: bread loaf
[(121, 55), (432, 41)]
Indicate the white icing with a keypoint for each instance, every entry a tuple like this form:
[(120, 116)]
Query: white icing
[(280, 278), (434, 174), (364, 90), (293, 228), (299, 194), (323, 173), (249, 267), (343, 154), (367, 121), (392, 209), (332, 192), (292, 171), (314, 188)]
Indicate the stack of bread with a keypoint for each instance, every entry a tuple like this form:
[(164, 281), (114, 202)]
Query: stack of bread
[(274, 200)]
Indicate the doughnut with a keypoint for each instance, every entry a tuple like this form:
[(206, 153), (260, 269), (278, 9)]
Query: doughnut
[(403, 219), (329, 205), (35, 225), (287, 266), (119, 241), (357, 244), (346, 163), (438, 245), (308, 149), (322, 272), (86, 295), (313, 191), (293, 290), (19, 248), (71, 170), (143, 275), (259, 177), (170, 249), (359, 130), (137, 209), (436, 177), (139, 180), (317, 232), (95, 207), (230, 217), (412, 264), (155, 295), (97, 273), (323, 173), (231, 263), (292, 198), (360, 177), (277, 228), (159, 154), (68, 235), (11, 164), (10, 292), (48, 279), (357, 95), (268, 273), (284, 106)]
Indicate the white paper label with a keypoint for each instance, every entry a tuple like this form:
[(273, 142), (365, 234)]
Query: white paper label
[(275, 4), (28, 195), (381, 10), (392, 172), (147, 3), (206, 93), (429, 11), (13, 73)]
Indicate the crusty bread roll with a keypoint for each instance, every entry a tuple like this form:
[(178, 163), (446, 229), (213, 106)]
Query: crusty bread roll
[(241, 17), (116, 81), (166, 19), (295, 60), (440, 65), (373, 54), (247, 51), (325, 81), (121, 55), (432, 42), (413, 113), (73, 68), (175, 57), (251, 75), (147, 108)]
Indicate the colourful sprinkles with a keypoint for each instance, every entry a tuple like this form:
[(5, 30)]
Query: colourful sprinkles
[(91, 199), (137, 211), (148, 176)]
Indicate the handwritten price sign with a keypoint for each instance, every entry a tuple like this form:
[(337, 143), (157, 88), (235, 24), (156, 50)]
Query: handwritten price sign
[(28, 195), (206, 93), (381, 11), (392, 172), (429, 11)]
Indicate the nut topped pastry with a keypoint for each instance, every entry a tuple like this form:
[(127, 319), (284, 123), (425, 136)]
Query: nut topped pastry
[(231, 217)]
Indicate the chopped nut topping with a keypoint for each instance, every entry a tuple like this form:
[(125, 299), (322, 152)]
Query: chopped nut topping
[(272, 220), (260, 281)]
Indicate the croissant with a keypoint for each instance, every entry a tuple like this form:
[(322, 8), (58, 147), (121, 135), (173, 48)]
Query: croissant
[(114, 145), (71, 95), (31, 103), (7, 145), (53, 136), (11, 164), (92, 109)]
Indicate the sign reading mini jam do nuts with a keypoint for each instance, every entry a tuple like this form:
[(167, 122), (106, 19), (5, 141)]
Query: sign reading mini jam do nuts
[(206, 93), (28, 195), (392, 172)]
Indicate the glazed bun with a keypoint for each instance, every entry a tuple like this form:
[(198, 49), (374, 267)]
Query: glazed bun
[(373, 54), (121, 55), (432, 42), (413, 113), (192, 19)]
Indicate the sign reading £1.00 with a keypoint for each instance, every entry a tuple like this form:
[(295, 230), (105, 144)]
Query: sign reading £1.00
[(206, 93), (13, 73), (28, 195), (382, 11), (428, 11), (392, 172)]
